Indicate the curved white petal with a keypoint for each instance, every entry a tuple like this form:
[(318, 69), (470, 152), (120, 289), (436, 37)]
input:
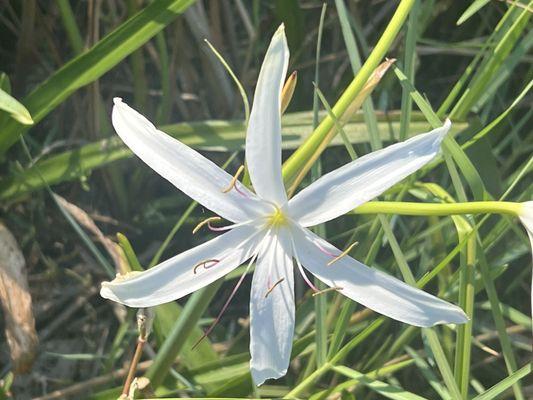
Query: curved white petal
[(176, 277), (355, 183), (263, 137), (372, 288), (184, 167), (526, 217), (272, 315)]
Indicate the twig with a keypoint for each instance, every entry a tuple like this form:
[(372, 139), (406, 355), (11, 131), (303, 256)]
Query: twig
[(84, 387)]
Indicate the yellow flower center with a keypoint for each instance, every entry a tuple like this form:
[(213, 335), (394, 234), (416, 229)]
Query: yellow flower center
[(277, 219)]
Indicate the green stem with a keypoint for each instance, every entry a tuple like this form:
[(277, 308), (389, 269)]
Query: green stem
[(299, 157), (425, 209)]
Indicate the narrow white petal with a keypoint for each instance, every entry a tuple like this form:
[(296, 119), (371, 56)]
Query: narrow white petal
[(175, 277), (372, 288), (184, 167), (272, 317), (526, 218), (355, 183), (263, 137)]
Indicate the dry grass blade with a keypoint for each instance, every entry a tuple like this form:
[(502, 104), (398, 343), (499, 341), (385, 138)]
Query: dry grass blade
[(86, 221), (16, 304)]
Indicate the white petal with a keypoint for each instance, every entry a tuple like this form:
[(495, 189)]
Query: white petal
[(526, 218), (372, 288), (184, 167), (272, 317), (355, 183), (175, 277), (263, 137)]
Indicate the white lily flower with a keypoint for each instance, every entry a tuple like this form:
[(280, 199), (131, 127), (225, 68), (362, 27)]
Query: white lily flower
[(526, 217), (272, 230)]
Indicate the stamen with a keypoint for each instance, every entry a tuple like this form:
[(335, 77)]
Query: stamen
[(323, 250), (304, 276), (225, 306), (204, 222), (345, 252), (337, 288), (206, 264), (273, 286), (233, 182)]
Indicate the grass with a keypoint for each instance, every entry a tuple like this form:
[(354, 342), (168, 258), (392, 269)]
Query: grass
[(471, 64)]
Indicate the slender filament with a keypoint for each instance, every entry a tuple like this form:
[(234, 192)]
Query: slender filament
[(273, 286), (206, 221), (344, 253), (233, 182)]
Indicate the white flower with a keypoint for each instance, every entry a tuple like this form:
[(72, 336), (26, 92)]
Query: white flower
[(272, 230), (526, 217)]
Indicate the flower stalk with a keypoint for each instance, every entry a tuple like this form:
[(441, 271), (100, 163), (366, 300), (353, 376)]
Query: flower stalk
[(427, 209)]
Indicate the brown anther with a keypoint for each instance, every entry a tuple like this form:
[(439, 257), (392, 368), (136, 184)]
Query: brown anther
[(273, 286), (345, 252), (288, 91), (211, 262), (234, 179), (205, 222), (336, 288)]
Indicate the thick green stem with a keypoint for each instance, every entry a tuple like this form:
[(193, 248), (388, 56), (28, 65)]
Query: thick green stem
[(299, 157), (425, 209)]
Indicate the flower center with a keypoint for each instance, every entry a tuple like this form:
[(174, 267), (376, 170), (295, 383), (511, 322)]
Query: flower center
[(277, 219)]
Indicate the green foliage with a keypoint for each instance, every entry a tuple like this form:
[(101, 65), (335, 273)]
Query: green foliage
[(471, 63)]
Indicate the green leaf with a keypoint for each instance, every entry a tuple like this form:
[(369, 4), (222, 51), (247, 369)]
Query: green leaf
[(471, 10), (92, 64), (15, 109)]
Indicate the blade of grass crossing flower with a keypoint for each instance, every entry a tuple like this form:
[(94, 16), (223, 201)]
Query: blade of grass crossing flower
[(294, 164), (93, 63), (355, 62), (320, 302)]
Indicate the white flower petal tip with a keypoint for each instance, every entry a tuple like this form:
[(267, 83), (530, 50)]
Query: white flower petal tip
[(260, 376), (365, 178), (185, 168), (117, 100), (372, 288), (263, 136)]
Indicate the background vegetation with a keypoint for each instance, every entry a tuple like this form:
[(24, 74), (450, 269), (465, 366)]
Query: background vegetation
[(65, 61)]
